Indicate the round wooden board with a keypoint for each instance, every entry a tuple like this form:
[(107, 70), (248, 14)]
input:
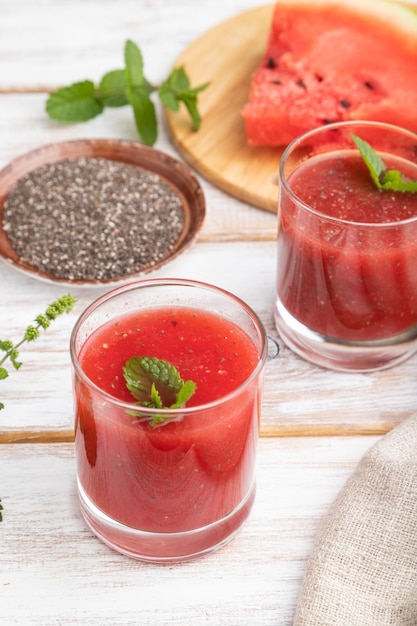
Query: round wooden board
[(226, 56)]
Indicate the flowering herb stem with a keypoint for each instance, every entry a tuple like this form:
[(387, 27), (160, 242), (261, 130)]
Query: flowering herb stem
[(64, 304), (11, 350)]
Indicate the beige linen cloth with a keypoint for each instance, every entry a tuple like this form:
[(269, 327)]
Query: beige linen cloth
[(362, 570)]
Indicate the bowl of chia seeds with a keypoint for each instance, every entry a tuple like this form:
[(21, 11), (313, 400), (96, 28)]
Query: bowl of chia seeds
[(97, 211)]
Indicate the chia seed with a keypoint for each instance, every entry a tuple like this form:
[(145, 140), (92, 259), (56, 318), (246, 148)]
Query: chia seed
[(92, 218)]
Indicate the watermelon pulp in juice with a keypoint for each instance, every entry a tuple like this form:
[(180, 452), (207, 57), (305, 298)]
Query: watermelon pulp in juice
[(186, 473), (353, 277)]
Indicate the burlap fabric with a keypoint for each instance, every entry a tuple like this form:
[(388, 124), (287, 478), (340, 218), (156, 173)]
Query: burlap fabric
[(362, 570)]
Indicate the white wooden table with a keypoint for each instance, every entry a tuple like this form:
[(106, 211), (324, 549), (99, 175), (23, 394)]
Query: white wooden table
[(316, 424)]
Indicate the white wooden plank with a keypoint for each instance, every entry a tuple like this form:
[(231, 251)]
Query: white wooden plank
[(55, 43), (53, 571), (299, 397)]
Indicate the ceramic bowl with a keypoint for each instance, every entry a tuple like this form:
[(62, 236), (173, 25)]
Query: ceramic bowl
[(173, 172)]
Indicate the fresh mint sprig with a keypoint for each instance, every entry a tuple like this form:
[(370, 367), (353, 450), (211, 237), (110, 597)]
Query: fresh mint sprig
[(391, 180), (82, 101), (11, 350), (157, 384)]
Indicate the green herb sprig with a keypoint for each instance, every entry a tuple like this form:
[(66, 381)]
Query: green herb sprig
[(157, 384), (64, 304), (384, 179), (11, 350), (82, 101)]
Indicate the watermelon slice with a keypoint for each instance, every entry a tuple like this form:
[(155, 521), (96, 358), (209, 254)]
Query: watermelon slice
[(333, 60)]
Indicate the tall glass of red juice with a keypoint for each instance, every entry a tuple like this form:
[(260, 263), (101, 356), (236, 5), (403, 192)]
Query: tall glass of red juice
[(184, 487), (346, 291)]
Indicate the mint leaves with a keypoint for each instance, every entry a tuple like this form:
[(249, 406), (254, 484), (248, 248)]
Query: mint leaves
[(82, 101), (156, 384), (177, 89), (391, 180)]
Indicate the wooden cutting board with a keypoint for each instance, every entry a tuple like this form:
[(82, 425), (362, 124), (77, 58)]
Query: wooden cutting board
[(226, 56)]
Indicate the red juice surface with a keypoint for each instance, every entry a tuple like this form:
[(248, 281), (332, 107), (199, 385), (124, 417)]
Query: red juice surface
[(187, 473), (347, 279)]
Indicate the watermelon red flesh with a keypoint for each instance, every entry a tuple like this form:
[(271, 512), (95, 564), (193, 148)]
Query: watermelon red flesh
[(331, 61)]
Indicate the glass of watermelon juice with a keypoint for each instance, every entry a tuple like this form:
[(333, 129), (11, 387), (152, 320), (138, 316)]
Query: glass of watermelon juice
[(346, 290), (174, 490)]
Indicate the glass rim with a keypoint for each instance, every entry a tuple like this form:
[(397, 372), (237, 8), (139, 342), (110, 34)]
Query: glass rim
[(147, 412), (283, 180)]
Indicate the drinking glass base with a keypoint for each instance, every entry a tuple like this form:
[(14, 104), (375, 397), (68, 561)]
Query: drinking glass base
[(348, 356), (164, 547)]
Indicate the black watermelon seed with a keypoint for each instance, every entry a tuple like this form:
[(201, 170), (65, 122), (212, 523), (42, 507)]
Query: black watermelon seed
[(301, 83)]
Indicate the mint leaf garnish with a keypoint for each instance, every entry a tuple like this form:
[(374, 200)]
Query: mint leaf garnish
[(391, 180), (144, 113), (112, 87), (134, 64), (156, 384), (177, 89), (76, 103), (373, 161), (83, 101)]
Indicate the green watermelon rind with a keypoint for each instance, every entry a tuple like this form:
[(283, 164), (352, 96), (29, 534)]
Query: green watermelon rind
[(389, 11)]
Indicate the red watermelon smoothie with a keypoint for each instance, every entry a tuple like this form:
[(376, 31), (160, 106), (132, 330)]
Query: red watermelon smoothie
[(176, 490), (347, 251)]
